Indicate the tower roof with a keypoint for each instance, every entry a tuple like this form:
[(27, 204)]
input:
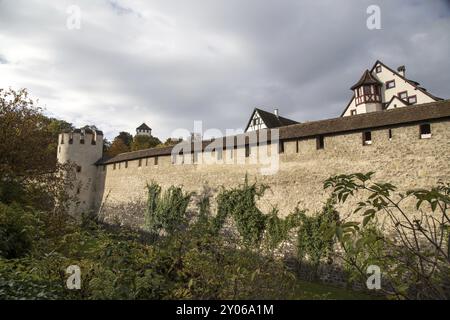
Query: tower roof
[(367, 78), (143, 127)]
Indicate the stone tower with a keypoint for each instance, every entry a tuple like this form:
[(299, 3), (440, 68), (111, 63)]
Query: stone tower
[(143, 130), (83, 147)]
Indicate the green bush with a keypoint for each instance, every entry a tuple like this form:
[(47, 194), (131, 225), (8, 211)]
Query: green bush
[(166, 212), (18, 229)]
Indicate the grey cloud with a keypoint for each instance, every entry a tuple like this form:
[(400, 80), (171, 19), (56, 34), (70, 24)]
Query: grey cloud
[(215, 61)]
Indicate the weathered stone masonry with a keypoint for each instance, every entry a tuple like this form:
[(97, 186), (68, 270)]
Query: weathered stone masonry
[(405, 160)]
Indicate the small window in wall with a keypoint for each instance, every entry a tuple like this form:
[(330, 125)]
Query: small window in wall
[(425, 131), (126, 164), (412, 99), (120, 165), (62, 139), (247, 151), (78, 169), (114, 166), (140, 163), (390, 134), (378, 69), (353, 112), (390, 84), (367, 138), (296, 146), (281, 147), (156, 161), (71, 138), (146, 162), (320, 143), (403, 95)]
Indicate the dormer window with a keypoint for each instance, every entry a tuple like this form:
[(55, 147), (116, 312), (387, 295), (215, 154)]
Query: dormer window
[(403, 95), (378, 69), (390, 84), (412, 99), (353, 112)]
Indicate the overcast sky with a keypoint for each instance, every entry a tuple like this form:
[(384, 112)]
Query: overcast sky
[(168, 63)]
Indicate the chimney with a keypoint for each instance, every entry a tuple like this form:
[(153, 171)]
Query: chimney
[(275, 112), (402, 70)]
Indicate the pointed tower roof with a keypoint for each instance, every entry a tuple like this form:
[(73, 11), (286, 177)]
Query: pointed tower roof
[(367, 78), (143, 127)]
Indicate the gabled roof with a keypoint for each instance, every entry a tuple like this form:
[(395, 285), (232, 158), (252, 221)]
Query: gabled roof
[(270, 119), (415, 84), (143, 127), (394, 98), (366, 78), (432, 111)]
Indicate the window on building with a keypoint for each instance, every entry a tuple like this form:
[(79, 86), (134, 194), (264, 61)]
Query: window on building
[(156, 161), (146, 162), (78, 169), (390, 134), (281, 147), (247, 151), (126, 164), (114, 166), (378, 69), (320, 142), (425, 131), (353, 112), (412, 99), (71, 138), (140, 163), (367, 138), (62, 139), (82, 138), (296, 146), (390, 84), (403, 95)]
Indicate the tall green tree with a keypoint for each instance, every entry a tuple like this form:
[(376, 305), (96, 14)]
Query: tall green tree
[(141, 142), (126, 137)]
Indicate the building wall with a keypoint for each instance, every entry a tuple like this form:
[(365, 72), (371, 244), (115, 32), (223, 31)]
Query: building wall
[(387, 94), (406, 161)]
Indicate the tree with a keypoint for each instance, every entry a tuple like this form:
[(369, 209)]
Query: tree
[(117, 147), (126, 137), (171, 142), (141, 142), (28, 139), (29, 173)]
